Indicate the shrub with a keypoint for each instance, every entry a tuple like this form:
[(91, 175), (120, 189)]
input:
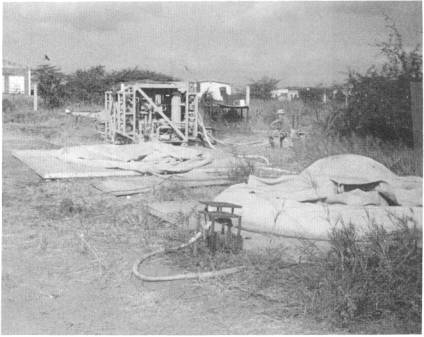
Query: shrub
[(8, 106), (263, 87), (311, 95), (135, 74), (88, 86), (379, 101), (377, 278), (51, 85)]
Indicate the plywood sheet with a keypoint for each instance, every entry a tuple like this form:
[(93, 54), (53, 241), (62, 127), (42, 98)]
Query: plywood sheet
[(143, 184), (103, 160), (48, 166)]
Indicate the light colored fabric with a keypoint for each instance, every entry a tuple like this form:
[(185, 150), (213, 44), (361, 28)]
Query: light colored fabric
[(344, 188), (144, 157), (119, 160)]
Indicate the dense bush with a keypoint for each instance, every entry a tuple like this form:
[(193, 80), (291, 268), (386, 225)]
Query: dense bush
[(379, 102), (86, 86), (379, 277), (89, 86), (311, 95), (51, 85), (7, 106), (262, 88)]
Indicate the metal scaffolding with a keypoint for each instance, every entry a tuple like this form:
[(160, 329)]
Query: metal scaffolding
[(145, 111)]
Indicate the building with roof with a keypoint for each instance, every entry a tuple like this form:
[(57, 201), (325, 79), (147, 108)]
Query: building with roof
[(285, 94), (214, 88), (16, 78)]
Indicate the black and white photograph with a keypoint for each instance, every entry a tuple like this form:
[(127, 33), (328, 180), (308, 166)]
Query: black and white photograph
[(212, 167)]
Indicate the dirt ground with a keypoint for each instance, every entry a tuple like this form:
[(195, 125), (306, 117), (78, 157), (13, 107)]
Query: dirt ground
[(52, 283)]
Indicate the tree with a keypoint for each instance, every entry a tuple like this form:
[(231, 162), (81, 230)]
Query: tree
[(51, 85), (379, 101), (401, 64), (311, 95), (88, 85), (262, 88), (135, 74)]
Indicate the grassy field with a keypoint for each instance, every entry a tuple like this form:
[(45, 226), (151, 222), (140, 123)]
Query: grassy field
[(55, 282), (317, 143)]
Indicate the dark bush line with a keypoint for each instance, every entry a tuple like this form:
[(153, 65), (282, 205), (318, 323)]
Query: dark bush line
[(86, 86), (379, 101)]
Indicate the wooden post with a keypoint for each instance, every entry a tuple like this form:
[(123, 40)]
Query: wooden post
[(134, 115), (187, 111), (247, 96), (416, 94), (29, 82), (35, 96)]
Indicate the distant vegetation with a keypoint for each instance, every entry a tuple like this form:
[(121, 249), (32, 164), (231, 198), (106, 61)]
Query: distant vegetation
[(379, 101), (262, 88), (374, 104), (86, 86), (51, 85)]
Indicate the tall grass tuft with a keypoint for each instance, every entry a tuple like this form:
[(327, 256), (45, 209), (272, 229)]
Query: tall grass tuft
[(364, 281)]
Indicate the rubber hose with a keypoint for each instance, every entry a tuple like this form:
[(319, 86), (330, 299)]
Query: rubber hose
[(186, 276)]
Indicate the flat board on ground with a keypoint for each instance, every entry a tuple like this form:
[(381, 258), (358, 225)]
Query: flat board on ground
[(48, 166), (134, 185)]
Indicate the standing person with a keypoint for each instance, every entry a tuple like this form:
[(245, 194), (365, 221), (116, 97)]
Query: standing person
[(281, 125)]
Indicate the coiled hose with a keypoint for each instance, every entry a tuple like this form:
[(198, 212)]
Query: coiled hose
[(186, 276)]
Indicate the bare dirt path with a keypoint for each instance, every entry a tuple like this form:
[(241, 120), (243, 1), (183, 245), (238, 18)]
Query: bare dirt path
[(53, 284)]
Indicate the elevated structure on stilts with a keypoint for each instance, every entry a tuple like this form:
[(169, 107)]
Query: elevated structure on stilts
[(165, 111)]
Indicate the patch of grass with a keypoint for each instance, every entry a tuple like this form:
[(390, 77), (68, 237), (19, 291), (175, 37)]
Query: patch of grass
[(317, 143), (16, 103), (398, 158), (52, 125), (367, 284), (378, 279)]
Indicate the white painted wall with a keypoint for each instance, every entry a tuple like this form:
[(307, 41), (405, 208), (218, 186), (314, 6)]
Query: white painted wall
[(285, 94), (214, 89), (293, 94), (279, 92), (17, 84)]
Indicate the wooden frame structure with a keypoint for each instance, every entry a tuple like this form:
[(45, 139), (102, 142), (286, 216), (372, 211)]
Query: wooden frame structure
[(234, 109), (140, 111)]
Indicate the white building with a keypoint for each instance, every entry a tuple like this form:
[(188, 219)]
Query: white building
[(214, 88), (16, 78), (285, 94)]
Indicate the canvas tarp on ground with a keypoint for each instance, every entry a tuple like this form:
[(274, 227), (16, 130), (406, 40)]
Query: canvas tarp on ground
[(111, 160), (333, 190), (213, 176)]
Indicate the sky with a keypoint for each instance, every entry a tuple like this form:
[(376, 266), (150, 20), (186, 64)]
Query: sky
[(299, 43)]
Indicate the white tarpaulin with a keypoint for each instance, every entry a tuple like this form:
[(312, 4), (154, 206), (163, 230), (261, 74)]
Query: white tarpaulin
[(111, 160), (144, 157), (351, 188)]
